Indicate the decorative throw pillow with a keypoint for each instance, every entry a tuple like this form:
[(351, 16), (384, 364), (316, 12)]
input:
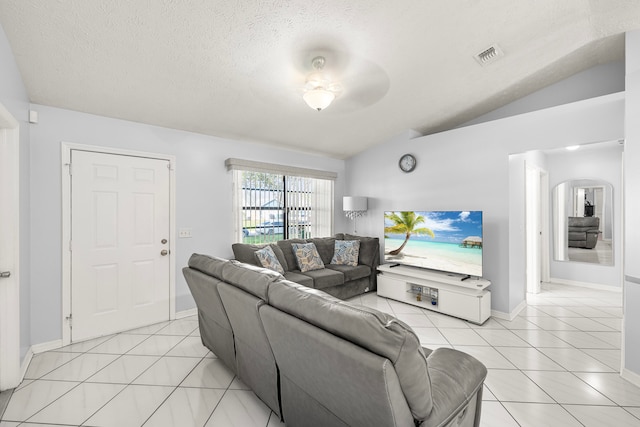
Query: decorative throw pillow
[(268, 259), (307, 256), (346, 252)]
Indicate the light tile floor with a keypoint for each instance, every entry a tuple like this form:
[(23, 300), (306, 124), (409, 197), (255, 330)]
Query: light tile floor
[(556, 364)]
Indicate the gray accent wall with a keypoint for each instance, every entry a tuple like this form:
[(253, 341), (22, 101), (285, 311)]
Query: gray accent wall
[(13, 95), (203, 195), (631, 327)]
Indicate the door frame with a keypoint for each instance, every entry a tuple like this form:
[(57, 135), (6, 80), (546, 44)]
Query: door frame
[(532, 228), (10, 372), (538, 210), (66, 148), (545, 212)]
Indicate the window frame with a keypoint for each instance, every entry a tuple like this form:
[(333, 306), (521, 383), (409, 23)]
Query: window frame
[(321, 197)]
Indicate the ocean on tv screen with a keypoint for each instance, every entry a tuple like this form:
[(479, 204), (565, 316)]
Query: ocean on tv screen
[(440, 240)]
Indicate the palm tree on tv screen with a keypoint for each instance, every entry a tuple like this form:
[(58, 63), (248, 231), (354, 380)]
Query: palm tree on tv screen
[(406, 223)]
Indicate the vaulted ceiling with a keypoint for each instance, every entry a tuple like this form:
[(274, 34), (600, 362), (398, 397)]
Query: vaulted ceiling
[(237, 68)]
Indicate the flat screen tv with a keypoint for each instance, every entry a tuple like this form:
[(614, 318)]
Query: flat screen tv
[(449, 241)]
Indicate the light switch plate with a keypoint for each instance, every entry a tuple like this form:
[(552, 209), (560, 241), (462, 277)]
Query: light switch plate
[(185, 233)]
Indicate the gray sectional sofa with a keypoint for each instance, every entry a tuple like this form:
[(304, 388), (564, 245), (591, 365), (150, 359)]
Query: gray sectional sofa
[(341, 281), (316, 360)]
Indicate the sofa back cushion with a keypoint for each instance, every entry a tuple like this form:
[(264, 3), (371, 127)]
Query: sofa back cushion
[(307, 257), (346, 252), (288, 254), (329, 381), (369, 253), (247, 277), (371, 329), (578, 223), (252, 279), (325, 246), (246, 253), (207, 264), (268, 259)]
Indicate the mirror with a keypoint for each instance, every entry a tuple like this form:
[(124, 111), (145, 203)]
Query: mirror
[(583, 221)]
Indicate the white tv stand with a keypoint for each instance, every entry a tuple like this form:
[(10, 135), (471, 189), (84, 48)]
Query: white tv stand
[(437, 291)]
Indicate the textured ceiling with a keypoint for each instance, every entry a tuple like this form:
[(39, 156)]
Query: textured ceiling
[(236, 69)]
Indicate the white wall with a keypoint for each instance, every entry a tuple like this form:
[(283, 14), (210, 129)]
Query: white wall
[(13, 95), (631, 337), (591, 163), (468, 168), (596, 81), (203, 195), (517, 220)]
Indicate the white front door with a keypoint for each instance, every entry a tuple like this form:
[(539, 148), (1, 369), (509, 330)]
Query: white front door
[(120, 268), (9, 260)]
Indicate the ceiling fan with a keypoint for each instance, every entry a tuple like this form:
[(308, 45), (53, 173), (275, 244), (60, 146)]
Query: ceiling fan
[(320, 76), (319, 90), (345, 82)]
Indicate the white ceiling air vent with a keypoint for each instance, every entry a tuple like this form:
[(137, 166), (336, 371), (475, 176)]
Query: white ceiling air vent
[(490, 54)]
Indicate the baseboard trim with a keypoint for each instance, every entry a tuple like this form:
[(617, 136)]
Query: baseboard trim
[(630, 376), (186, 313), (25, 364), (46, 346), (585, 285), (36, 349), (509, 316)]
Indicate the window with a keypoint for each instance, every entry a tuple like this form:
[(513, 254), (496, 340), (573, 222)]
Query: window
[(273, 202)]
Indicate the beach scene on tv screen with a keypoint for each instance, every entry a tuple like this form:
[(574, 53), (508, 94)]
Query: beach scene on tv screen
[(440, 240)]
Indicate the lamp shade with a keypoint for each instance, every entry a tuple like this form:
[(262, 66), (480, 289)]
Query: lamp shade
[(354, 204), (318, 98)]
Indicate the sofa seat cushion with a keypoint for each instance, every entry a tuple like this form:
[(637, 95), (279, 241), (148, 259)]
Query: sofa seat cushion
[(298, 277), (351, 273), (325, 278)]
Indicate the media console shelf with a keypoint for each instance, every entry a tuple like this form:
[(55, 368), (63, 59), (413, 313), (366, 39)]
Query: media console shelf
[(437, 291)]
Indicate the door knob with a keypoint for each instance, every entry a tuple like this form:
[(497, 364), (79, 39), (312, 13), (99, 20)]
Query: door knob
[(5, 274), (163, 241), (164, 252)]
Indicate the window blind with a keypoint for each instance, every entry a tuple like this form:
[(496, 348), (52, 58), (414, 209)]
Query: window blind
[(271, 204)]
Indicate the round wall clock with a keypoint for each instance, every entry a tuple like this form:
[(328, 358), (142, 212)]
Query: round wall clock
[(407, 163)]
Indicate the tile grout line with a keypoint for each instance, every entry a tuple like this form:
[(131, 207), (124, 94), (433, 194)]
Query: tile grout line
[(138, 376)]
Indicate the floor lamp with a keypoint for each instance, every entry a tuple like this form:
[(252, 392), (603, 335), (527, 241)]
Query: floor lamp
[(353, 208)]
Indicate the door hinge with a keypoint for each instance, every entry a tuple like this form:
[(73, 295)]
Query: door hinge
[(69, 319), (70, 169), (70, 245)]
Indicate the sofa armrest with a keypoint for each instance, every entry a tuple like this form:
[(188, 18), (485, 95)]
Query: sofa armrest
[(592, 238), (456, 383)]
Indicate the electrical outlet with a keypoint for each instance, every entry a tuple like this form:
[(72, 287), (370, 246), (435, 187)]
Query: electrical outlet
[(185, 233)]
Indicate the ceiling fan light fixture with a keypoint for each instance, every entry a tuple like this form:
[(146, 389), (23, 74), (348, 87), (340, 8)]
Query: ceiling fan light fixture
[(318, 98), (320, 91)]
